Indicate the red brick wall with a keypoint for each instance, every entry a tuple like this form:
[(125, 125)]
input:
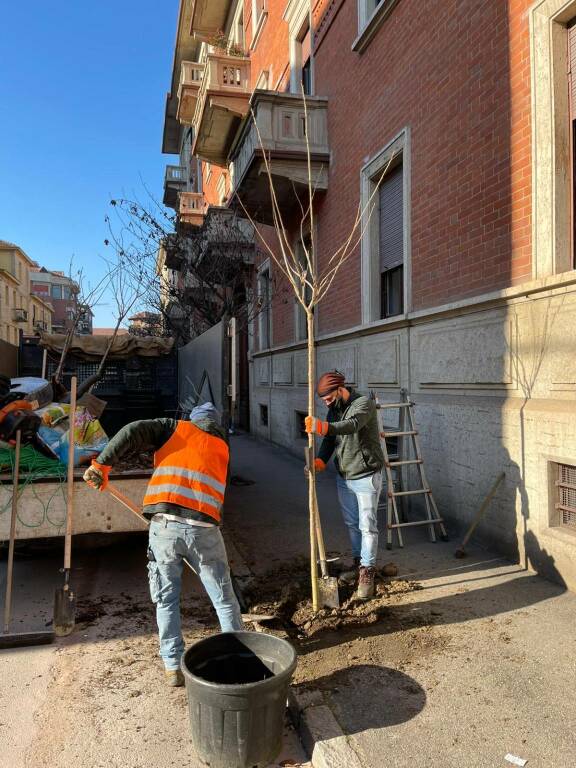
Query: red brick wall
[(444, 69), (457, 73)]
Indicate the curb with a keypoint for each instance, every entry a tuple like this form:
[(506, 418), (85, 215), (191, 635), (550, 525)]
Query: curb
[(322, 737)]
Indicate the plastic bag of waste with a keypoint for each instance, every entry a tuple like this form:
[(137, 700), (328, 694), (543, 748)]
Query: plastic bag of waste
[(89, 436)]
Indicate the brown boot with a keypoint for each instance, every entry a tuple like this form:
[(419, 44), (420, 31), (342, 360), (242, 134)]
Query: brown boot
[(350, 575), (366, 589)]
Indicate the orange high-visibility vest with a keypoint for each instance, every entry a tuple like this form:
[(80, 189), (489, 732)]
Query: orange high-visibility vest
[(190, 470)]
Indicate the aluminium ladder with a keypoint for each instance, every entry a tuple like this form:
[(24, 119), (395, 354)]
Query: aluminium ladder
[(396, 462)]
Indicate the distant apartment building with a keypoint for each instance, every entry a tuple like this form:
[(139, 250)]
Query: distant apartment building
[(21, 312), (452, 125), (62, 292)]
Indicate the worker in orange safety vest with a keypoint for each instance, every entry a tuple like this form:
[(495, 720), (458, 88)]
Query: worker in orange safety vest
[(183, 502)]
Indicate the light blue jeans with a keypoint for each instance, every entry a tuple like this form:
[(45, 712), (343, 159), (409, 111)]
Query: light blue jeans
[(171, 542), (359, 503)]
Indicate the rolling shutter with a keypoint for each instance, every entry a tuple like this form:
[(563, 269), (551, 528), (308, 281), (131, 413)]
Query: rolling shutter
[(391, 204)]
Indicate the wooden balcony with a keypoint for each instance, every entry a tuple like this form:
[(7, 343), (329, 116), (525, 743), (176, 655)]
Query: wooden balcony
[(192, 209), (174, 182), (188, 89), (209, 17), (280, 118), (222, 104)]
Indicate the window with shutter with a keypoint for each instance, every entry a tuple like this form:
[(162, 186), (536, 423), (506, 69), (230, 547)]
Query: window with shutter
[(391, 243)]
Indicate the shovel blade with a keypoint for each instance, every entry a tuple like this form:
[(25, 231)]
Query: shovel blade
[(64, 611), (328, 592)]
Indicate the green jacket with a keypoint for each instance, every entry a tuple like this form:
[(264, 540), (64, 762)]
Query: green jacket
[(152, 434), (354, 437)]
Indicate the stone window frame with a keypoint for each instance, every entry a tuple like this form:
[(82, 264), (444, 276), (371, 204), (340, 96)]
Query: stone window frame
[(369, 22), (551, 185), (370, 173), (259, 16), (296, 15)]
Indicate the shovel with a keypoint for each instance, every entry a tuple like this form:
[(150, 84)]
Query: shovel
[(64, 598), (129, 504), (327, 585), (21, 638)]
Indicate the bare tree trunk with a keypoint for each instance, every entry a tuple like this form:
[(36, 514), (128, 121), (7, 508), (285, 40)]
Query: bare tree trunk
[(311, 468), (89, 383)]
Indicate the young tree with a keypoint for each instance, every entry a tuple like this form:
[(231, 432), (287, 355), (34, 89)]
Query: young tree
[(310, 279), (85, 297)]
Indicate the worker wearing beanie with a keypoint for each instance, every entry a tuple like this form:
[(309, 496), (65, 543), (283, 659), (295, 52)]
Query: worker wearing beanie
[(183, 502), (351, 433)]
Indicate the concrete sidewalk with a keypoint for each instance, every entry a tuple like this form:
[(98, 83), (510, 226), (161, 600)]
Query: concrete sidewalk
[(478, 664)]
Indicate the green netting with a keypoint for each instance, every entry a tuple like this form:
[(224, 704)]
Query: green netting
[(32, 495)]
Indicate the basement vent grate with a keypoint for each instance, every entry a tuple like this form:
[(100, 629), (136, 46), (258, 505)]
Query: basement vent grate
[(566, 496)]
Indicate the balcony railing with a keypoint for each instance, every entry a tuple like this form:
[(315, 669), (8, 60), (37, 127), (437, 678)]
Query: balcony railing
[(280, 121), (222, 104), (192, 208), (174, 181), (190, 79)]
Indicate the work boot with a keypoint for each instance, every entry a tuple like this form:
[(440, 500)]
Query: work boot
[(350, 575), (366, 588), (174, 677)]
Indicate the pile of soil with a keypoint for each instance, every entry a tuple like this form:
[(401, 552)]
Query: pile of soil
[(285, 594)]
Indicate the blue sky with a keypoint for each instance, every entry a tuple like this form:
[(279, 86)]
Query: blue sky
[(82, 93)]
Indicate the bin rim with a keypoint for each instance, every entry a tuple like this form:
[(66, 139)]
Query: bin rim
[(240, 687)]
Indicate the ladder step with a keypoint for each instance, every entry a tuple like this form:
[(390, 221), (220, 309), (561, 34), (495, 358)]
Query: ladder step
[(416, 522), (381, 406), (402, 463), (409, 493), (398, 434)]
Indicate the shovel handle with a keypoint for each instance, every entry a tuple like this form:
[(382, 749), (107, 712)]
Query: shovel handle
[(10, 564), (309, 456), (70, 478)]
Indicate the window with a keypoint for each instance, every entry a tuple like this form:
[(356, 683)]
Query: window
[(300, 322), (263, 82), (306, 59), (385, 244), (553, 122), (371, 15), (66, 292), (221, 189), (300, 427), (566, 496), (56, 292), (391, 243), (239, 31), (259, 16), (263, 415), (264, 316)]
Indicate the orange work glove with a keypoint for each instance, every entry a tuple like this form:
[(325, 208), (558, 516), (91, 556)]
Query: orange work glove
[(97, 475), (313, 425), (319, 466)]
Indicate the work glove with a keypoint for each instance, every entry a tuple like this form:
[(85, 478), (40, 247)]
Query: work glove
[(319, 466), (315, 426), (97, 475)]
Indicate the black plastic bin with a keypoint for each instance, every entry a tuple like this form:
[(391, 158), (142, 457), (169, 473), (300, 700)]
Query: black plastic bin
[(237, 686)]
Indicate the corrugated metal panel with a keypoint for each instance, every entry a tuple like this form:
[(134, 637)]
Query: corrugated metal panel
[(391, 220)]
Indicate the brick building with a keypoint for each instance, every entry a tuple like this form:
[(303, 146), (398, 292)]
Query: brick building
[(62, 293), (457, 120)]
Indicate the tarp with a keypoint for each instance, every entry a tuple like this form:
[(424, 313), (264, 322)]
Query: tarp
[(94, 347)]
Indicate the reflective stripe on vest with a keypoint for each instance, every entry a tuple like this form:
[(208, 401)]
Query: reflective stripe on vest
[(190, 471)]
